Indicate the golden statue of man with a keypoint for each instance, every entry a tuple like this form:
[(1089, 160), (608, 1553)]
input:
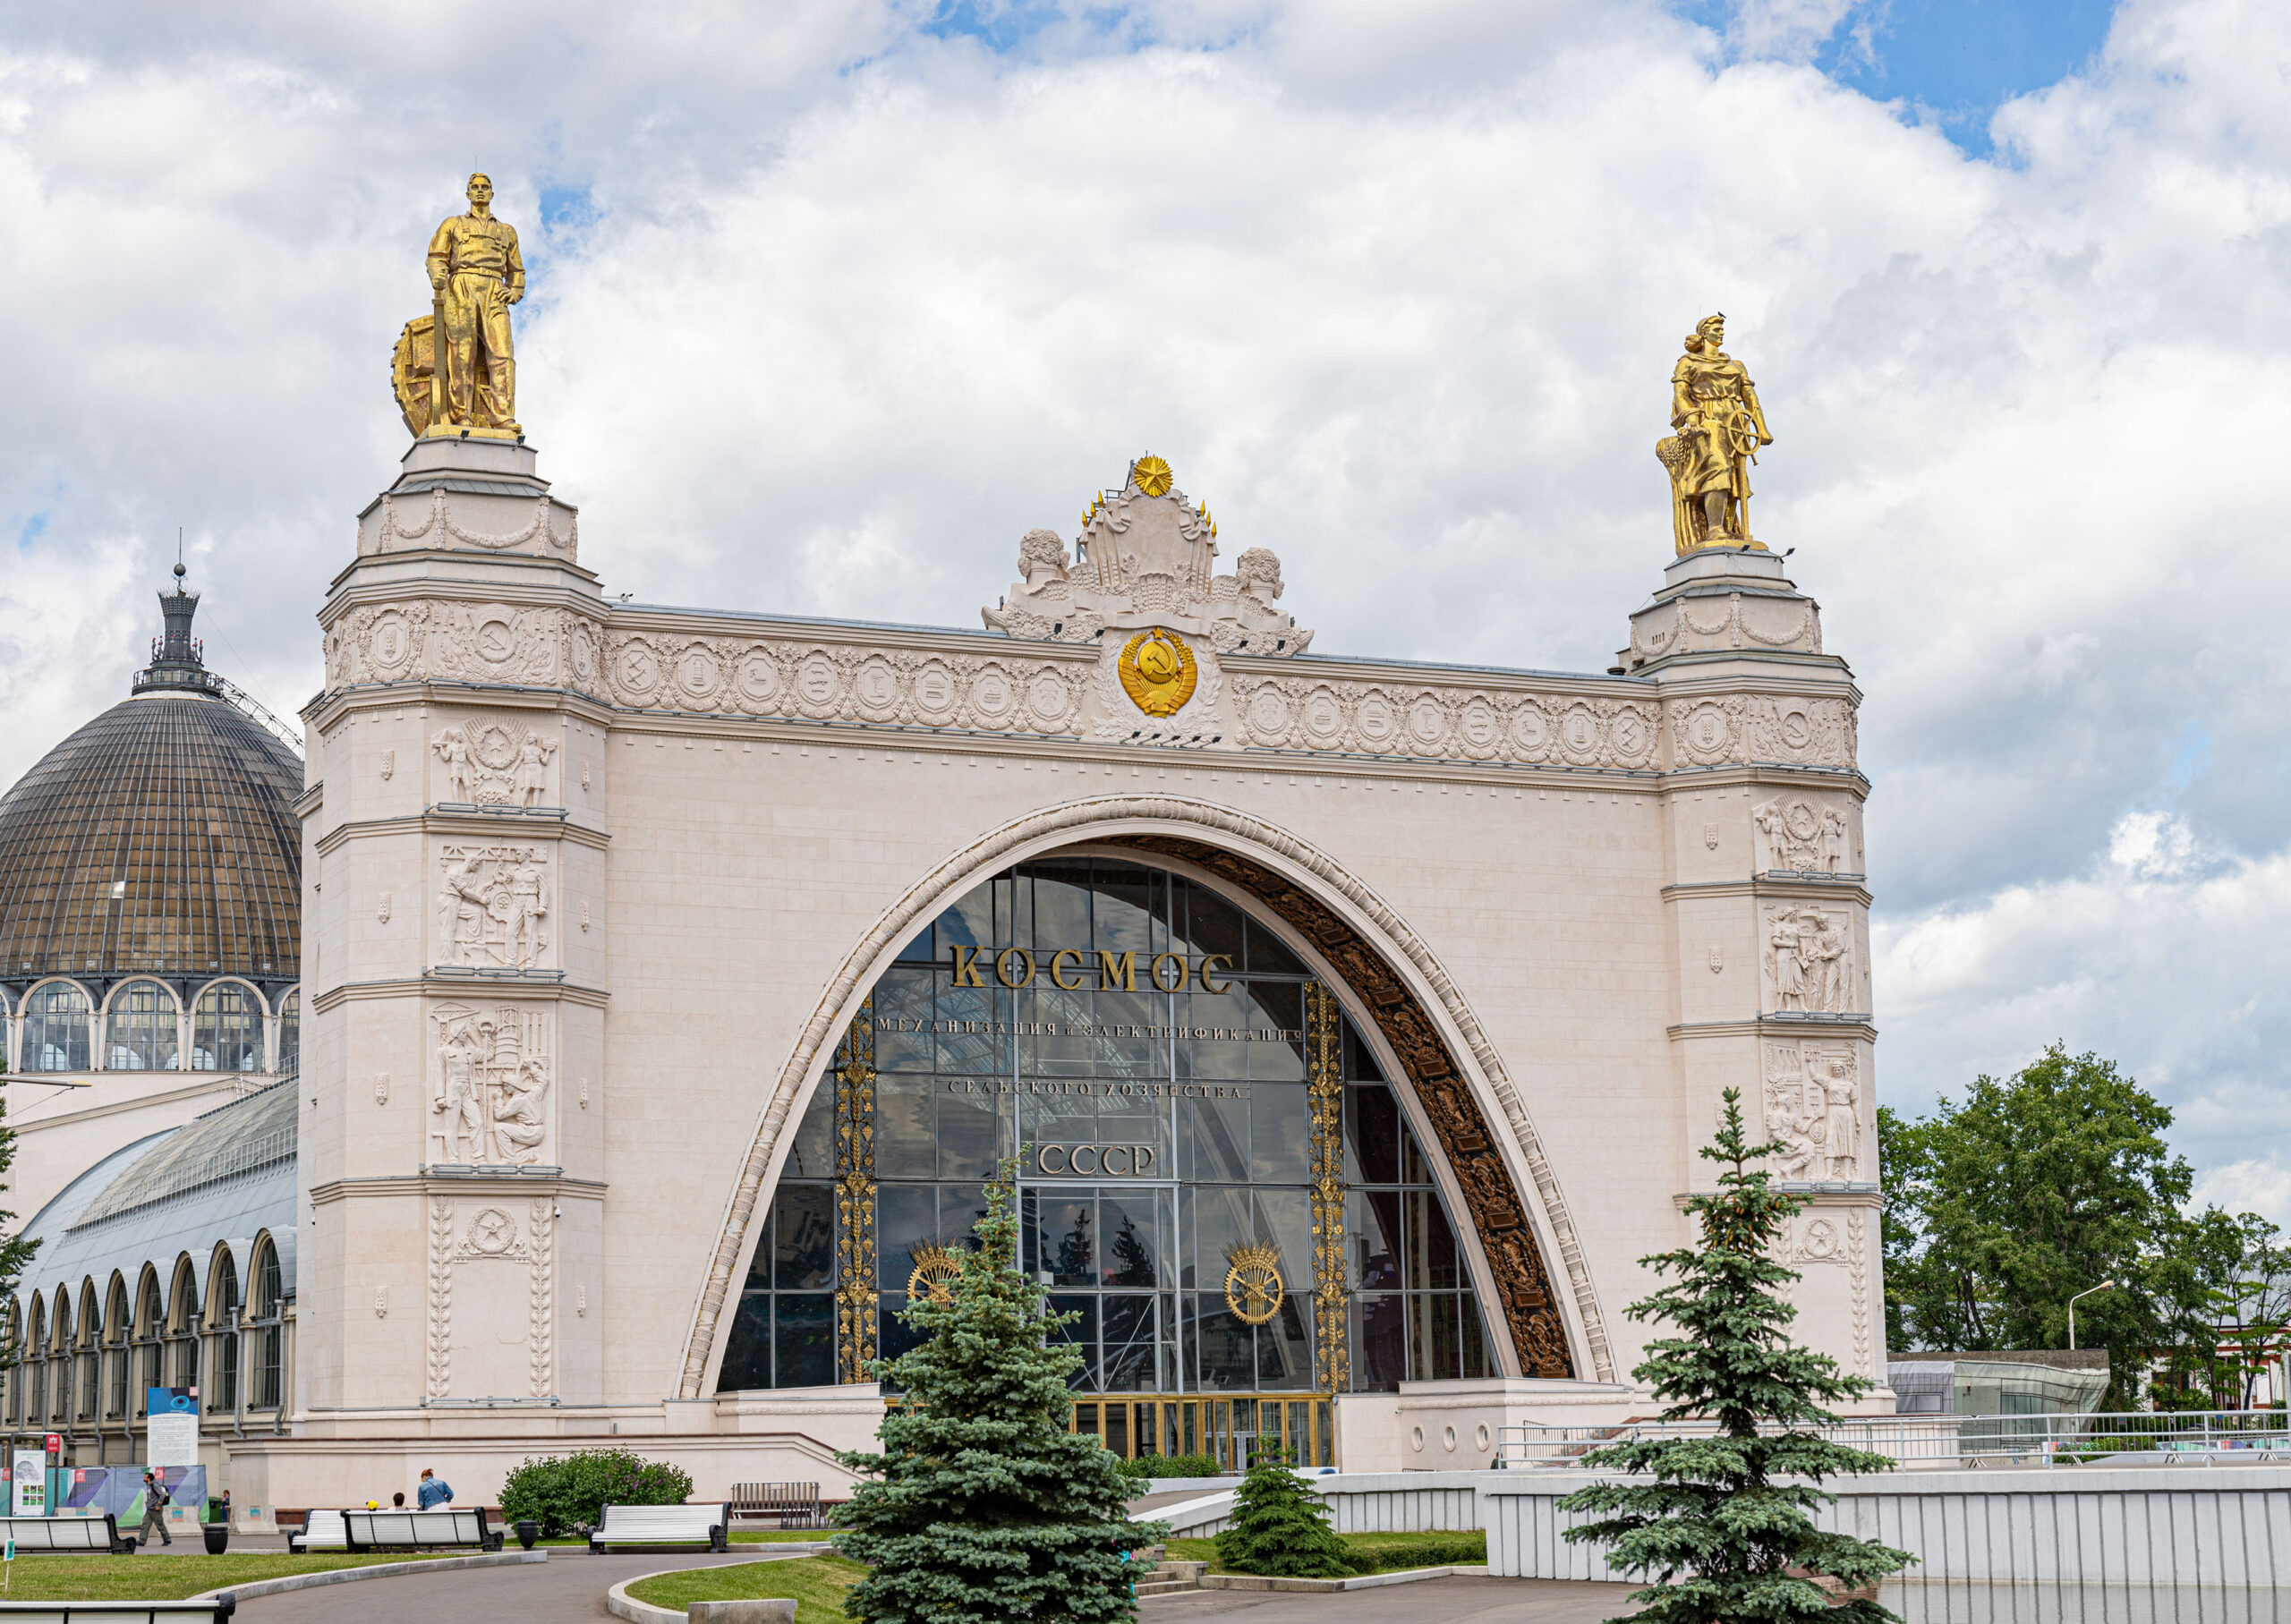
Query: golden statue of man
[(1720, 424), (476, 274)]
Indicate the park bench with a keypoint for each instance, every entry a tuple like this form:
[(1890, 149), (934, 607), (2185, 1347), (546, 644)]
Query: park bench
[(80, 1534), (321, 1531), (120, 1612), (797, 1505), (663, 1525), (460, 1527)]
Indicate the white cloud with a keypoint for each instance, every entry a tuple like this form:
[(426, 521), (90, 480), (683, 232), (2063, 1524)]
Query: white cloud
[(834, 311), (2260, 1185)]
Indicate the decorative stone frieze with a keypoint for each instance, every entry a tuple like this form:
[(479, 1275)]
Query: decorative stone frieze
[(1739, 728), (1444, 721)]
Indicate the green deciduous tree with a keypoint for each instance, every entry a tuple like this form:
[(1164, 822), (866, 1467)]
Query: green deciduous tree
[(1280, 1528), (982, 1507), (1725, 1528), (2000, 1208)]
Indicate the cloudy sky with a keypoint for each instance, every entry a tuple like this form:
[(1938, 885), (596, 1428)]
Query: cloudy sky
[(833, 299)]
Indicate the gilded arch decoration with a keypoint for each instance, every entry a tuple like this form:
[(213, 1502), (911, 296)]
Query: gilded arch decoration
[(1532, 1311), (1523, 1285)]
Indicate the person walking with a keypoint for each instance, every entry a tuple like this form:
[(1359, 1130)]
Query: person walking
[(156, 1500), (433, 1491)]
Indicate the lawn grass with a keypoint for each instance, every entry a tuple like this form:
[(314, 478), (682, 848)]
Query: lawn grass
[(165, 1579), (1371, 1552), (817, 1584)]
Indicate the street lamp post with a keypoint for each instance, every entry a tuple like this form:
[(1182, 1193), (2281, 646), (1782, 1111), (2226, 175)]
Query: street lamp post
[(2072, 1301)]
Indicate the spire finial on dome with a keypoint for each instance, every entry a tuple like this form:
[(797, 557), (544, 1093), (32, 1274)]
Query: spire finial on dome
[(176, 658)]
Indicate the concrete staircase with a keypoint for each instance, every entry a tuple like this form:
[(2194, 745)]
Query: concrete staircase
[(1171, 1577)]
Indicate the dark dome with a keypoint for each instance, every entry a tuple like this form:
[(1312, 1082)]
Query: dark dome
[(157, 838)]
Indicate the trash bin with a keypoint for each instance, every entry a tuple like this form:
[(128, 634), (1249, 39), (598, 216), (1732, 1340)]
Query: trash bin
[(528, 1531), (218, 1536)]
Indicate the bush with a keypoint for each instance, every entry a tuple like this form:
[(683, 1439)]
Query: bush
[(567, 1493), (1280, 1527), (1173, 1465)]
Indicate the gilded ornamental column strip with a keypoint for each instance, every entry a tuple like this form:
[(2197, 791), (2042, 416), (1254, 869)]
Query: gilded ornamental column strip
[(1324, 1092), (854, 1197)]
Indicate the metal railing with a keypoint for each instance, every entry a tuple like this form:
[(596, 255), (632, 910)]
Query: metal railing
[(1929, 1441)]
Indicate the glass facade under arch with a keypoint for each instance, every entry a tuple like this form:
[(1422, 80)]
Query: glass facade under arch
[(1195, 1114), (57, 1023), (226, 1029), (140, 1029)]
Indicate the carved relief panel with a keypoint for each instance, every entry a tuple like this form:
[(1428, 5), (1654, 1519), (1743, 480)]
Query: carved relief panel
[(1810, 961), (494, 907), (491, 1078), (1804, 834), (490, 1242), (493, 761), (1814, 1109)]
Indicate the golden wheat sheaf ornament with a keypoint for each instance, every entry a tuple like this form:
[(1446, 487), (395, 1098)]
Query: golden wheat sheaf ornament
[(1253, 1289), (1158, 672), (936, 1271)]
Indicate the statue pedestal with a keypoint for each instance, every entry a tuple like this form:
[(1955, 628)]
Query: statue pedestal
[(470, 495), (1722, 600)]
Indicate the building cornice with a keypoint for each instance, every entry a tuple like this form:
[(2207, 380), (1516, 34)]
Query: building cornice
[(479, 824), (499, 986), (1775, 882), (1787, 1024)]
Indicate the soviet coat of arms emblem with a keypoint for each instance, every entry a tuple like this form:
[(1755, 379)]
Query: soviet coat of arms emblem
[(1158, 672)]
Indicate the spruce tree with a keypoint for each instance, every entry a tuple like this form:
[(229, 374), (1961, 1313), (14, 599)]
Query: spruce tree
[(1280, 1526), (982, 1508), (1727, 1542)]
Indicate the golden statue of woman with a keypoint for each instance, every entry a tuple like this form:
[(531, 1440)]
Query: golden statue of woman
[(1720, 424)]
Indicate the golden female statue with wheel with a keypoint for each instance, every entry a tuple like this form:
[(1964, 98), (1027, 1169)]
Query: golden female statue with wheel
[(1720, 424)]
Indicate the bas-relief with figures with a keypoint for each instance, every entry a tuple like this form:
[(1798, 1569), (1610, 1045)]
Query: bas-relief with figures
[(1423, 933)]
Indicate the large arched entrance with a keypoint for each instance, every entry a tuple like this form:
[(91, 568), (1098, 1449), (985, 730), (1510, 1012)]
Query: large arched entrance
[(1251, 1168)]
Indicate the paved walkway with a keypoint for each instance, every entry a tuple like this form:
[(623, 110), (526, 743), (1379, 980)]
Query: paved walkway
[(1456, 1600), (570, 1585)]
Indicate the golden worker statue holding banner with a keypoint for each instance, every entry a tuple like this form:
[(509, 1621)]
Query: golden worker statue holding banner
[(475, 275), (1720, 424)]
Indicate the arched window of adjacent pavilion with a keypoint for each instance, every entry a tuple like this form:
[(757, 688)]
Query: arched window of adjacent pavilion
[(116, 1325), (35, 1368), (182, 1326), (1126, 1018), (226, 1029), (142, 1029), (266, 1312), (87, 1353), (290, 1034), (223, 1318), (58, 1024)]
